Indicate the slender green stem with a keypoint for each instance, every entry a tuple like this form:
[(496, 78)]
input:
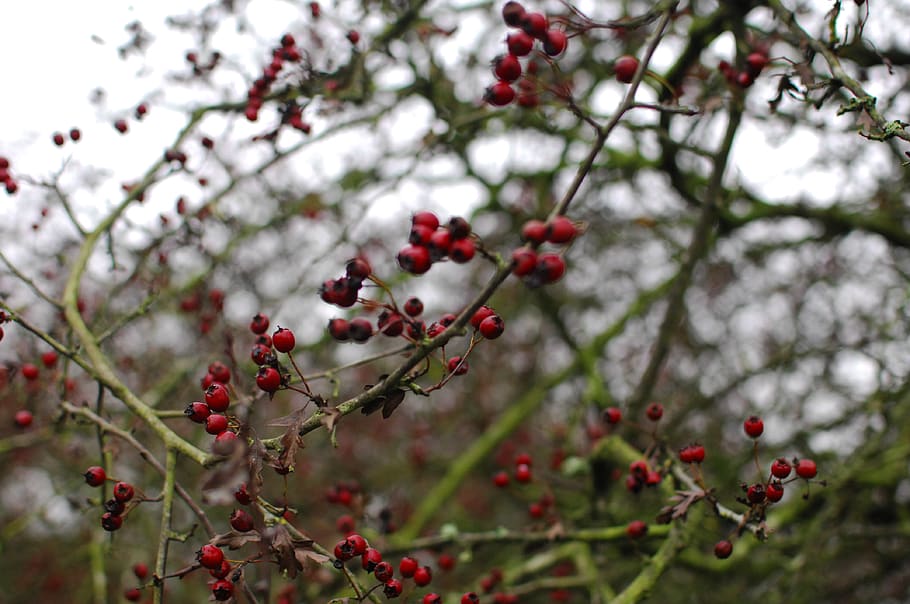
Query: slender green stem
[(164, 534)]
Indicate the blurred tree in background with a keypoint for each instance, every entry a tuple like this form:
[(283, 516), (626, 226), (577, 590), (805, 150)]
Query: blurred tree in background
[(735, 172)]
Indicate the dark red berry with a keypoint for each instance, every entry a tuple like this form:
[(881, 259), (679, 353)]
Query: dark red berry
[(480, 314), (120, 126), (216, 423), (222, 571), (550, 268), (95, 476), (123, 491), (260, 354), (339, 329), (370, 559), (359, 543), (555, 42), (383, 571), (744, 79), (492, 327), (259, 323), (774, 491), (519, 43), (512, 13), (440, 242), (75, 134), (470, 598), (612, 415), (268, 379), (241, 520), (49, 359), (392, 588), (523, 260), (780, 468), (723, 549), (754, 426), (358, 268), (806, 468), (413, 307), (217, 397), (535, 25), (423, 576), (114, 506), (111, 522), (507, 68), (636, 529), (141, 570), (446, 562), (655, 411), (755, 493), (243, 496), (353, 36), (283, 340), (210, 556), (535, 231), (222, 590), (457, 366), (414, 259), (360, 329), (462, 250), (499, 94), (501, 479), (756, 61), (58, 139), (220, 372), (625, 68), (29, 371)]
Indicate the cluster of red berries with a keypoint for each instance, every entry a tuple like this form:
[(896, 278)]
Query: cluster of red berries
[(208, 313), (270, 377), (9, 183), (115, 508), (212, 557), (640, 476), (216, 400), (343, 493), (371, 561), (287, 52), (141, 570), (523, 472), (692, 453), (429, 242), (59, 139), (529, 26), (755, 62), (540, 269)]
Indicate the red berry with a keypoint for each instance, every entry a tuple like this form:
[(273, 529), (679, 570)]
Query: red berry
[(123, 491), (58, 139), (370, 559), (535, 510), (780, 468), (446, 562), (492, 327), (360, 329), (507, 68), (523, 459), (555, 42), (217, 397), (625, 68), (535, 231), (426, 219), (636, 529), (470, 598), (501, 479), (197, 411), (141, 110), (49, 359), (222, 590), (216, 423), (755, 493), (111, 522), (339, 329), (414, 259), (774, 491), (612, 415), (744, 79), (535, 25), (141, 570), (461, 250), (754, 426), (75, 134), (360, 544), (259, 323), (523, 473), (243, 496), (222, 571), (383, 571), (550, 268), (219, 372), (655, 411), (358, 267), (210, 556), (114, 506), (408, 566), (226, 437), (806, 468), (29, 371), (523, 261), (512, 13), (456, 366), (392, 588), (268, 379), (723, 549), (23, 418), (95, 476), (413, 307), (353, 36), (561, 230), (480, 314), (283, 340), (241, 521), (423, 576), (121, 126), (519, 43), (756, 61)]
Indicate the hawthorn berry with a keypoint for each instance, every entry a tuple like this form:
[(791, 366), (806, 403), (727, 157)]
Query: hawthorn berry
[(439, 244), (392, 588), (535, 231), (75, 134), (523, 261), (427, 219), (132, 594), (346, 524), (225, 437), (523, 473), (756, 61), (415, 259), (353, 36), (222, 590), (507, 68), (457, 366), (120, 126), (58, 139), (220, 372), (29, 371), (383, 571), (23, 418), (636, 529), (535, 25), (774, 491), (123, 491), (95, 476), (413, 307), (408, 566), (612, 415), (114, 506), (512, 13), (462, 250), (753, 426), (470, 598), (197, 412), (217, 397), (259, 323), (524, 459), (360, 329), (111, 522), (625, 68), (222, 571), (561, 230), (723, 549), (358, 268), (141, 570), (550, 268), (268, 379), (755, 493), (243, 496), (344, 550), (210, 556), (283, 340), (370, 559), (806, 468), (501, 479), (49, 358), (435, 329), (555, 42), (216, 423), (780, 468), (359, 543), (241, 521), (519, 43), (423, 576), (655, 411), (339, 329), (446, 561), (492, 327)]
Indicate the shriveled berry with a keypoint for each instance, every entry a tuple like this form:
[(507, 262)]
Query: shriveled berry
[(216, 423), (283, 340), (259, 323), (806, 468), (753, 426), (222, 590), (780, 468), (111, 522), (95, 476), (242, 495), (114, 506), (383, 571), (268, 379), (723, 549), (217, 397), (636, 529), (123, 491), (492, 327), (241, 520), (625, 68), (507, 68)]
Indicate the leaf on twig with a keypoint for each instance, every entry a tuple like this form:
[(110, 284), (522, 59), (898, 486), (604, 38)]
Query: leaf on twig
[(291, 439), (683, 500), (236, 540), (284, 547), (388, 400)]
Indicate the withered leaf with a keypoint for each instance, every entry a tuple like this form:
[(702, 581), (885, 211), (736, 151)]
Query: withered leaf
[(330, 418), (307, 557), (388, 401), (391, 403), (290, 440), (236, 540), (284, 547)]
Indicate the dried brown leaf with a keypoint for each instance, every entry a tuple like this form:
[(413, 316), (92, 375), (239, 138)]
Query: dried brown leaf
[(236, 540)]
